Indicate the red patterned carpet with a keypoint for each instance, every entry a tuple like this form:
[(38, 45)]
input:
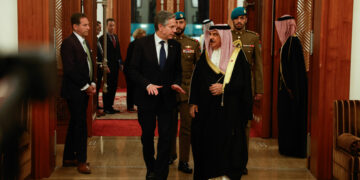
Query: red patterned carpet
[(126, 124), (123, 127)]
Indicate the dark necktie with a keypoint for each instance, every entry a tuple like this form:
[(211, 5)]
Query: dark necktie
[(162, 55), (113, 40)]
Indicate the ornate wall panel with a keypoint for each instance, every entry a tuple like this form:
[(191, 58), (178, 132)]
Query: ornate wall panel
[(304, 27)]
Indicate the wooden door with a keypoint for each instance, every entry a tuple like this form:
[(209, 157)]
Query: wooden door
[(261, 123), (67, 9)]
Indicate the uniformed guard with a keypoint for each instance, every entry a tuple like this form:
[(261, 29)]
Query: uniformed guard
[(252, 48), (190, 54)]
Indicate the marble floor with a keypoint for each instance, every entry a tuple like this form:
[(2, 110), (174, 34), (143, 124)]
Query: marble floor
[(120, 158)]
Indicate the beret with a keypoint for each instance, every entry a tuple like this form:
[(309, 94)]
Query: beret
[(239, 11), (179, 15)]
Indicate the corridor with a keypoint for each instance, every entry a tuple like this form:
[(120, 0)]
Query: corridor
[(120, 158)]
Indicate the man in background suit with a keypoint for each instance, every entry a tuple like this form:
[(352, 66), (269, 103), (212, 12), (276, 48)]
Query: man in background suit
[(137, 34), (155, 69), (99, 60), (77, 85), (114, 64)]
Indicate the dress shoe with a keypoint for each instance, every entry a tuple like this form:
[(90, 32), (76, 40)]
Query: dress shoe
[(172, 159), (150, 175), (84, 168), (70, 163), (99, 113), (131, 110), (111, 111), (184, 167), (245, 171)]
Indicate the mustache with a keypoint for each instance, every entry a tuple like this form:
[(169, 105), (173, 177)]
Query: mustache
[(211, 41), (239, 23)]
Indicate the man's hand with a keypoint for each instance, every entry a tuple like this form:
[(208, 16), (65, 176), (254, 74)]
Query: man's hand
[(106, 69), (177, 88), (216, 89), (193, 110), (258, 97), (153, 89), (91, 90)]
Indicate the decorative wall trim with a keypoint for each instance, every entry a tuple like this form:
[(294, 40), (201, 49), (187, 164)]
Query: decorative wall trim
[(304, 27)]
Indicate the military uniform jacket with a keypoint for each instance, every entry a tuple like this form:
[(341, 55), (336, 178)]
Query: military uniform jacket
[(251, 46), (190, 54)]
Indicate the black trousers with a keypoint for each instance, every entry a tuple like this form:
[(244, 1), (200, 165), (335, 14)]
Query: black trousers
[(112, 80), (130, 88), (147, 119), (98, 84), (76, 137)]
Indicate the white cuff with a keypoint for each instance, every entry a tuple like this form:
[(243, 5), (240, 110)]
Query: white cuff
[(148, 86), (85, 87)]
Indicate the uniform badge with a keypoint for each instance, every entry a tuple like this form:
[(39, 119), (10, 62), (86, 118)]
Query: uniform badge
[(181, 16), (188, 49), (248, 45)]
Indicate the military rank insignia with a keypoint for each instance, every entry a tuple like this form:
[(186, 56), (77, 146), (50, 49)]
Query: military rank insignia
[(248, 45), (188, 49)]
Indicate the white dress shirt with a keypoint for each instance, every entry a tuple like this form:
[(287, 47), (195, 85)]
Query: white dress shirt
[(215, 57), (158, 46)]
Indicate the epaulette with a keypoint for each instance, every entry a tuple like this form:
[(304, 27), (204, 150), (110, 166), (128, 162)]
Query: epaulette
[(252, 32), (191, 38), (195, 40)]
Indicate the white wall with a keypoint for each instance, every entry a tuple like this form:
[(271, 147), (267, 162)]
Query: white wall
[(240, 3), (355, 53), (9, 26), (99, 15)]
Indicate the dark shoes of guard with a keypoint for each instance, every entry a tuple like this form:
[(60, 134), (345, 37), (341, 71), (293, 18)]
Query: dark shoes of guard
[(184, 167)]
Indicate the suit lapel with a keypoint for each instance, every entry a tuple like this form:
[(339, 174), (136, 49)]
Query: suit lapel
[(78, 45), (152, 50)]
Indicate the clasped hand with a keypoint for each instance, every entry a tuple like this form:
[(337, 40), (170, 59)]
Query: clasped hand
[(91, 90), (216, 89), (193, 110)]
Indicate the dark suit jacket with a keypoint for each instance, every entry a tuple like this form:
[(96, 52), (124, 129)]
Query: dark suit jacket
[(129, 56), (113, 54), (75, 66), (144, 69), (99, 54)]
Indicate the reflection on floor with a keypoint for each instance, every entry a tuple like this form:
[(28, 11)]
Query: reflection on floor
[(120, 158)]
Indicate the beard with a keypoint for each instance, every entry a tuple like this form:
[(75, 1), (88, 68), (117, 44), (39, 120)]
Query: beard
[(179, 31), (239, 26)]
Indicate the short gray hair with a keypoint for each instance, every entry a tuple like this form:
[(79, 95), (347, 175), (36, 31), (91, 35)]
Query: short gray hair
[(162, 18)]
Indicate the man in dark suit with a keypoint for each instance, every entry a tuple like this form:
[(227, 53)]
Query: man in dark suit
[(99, 60), (137, 34), (155, 69), (114, 64), (77, 85)]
